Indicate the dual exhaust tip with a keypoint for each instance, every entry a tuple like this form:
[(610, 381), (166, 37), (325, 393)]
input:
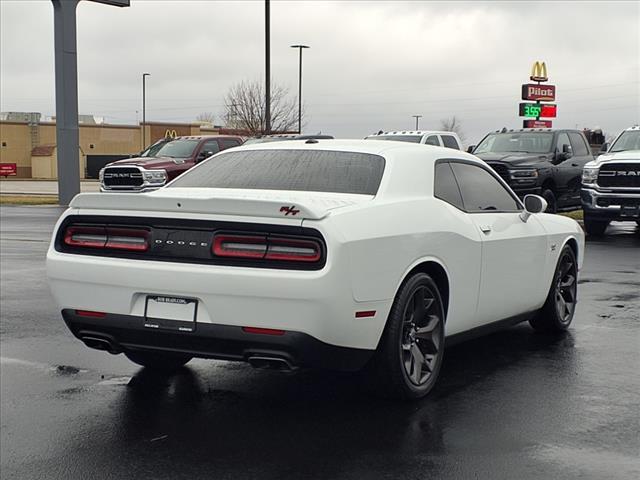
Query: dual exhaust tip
[(263, 362)]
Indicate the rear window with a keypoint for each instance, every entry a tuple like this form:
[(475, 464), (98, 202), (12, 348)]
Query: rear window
[(299, 170)]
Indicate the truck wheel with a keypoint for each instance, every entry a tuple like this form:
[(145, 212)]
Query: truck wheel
[(164, 362), (409, 356), (558, 309), (594, 227), (550, 197)]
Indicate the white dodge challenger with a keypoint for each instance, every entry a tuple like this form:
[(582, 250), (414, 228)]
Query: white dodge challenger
[(334, 254)]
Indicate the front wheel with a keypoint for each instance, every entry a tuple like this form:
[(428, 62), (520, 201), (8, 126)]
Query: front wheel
[(595, 228), (165, 362), (557, 313), (550, 197), (410, 352)]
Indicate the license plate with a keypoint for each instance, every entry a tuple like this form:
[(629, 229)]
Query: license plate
[(630, 211), (173, 313)]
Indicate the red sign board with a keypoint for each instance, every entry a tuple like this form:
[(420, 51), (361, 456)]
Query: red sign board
[(536, 124), (538, 92), (7, 169), (548, 111)]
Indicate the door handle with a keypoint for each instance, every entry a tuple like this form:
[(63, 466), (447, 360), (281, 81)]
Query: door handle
[(485, 228), (575, 165)]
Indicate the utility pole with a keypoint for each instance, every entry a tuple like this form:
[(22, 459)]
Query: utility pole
[(66, 74), (300, 47), (144, 109), (417, 117), (267, 96)]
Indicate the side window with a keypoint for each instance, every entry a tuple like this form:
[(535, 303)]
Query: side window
[(481, 192), (210, 146), (445, 186), (450, 142), (578, 144), (432, 140), (229, 142), (563, 139)]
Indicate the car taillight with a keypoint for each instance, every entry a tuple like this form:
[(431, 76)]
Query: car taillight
[(239, 246), (117, 238), (135, 240), (266, 247)]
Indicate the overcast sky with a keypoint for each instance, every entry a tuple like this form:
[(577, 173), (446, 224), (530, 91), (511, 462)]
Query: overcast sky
[(372, 64)]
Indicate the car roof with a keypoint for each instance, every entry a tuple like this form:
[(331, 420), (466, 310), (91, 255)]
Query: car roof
[(635, 127), (372, 146)]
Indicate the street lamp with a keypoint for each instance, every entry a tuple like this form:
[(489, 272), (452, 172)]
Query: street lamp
[(144, 109), (300, 47), (417, 117)]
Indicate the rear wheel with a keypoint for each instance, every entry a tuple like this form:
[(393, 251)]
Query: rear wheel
[(557, 313), (410, 353), (159, 361), (595, 227)]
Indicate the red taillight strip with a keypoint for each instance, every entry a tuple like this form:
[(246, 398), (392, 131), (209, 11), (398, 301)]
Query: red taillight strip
[(89, 313), (135, 240), (293, 250), (241, 246), (266, 247), (131, 239), (366, 314), (263, 331), (92, 237)]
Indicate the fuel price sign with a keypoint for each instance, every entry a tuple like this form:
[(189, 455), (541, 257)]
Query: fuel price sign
[(537, 110)]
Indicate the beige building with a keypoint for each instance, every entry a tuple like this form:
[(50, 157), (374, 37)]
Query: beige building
[(32, 146)]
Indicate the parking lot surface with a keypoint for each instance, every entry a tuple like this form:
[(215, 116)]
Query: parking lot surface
[(514, 404)]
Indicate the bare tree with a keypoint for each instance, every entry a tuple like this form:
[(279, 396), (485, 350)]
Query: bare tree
[(452, 124), (245, 108), (206, 118)]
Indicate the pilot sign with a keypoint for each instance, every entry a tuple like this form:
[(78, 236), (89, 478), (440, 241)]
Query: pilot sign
[(539, 92)]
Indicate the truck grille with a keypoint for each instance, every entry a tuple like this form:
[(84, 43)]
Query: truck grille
[(620, 175), (122, 177), (501, 170)]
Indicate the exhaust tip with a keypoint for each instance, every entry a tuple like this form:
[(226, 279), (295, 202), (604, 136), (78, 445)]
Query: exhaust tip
[(98, 343), (271, 363)]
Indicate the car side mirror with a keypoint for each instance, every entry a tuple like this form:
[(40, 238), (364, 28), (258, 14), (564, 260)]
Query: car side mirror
[(470, 148), (532, 204), (203, 155), (604, 147)]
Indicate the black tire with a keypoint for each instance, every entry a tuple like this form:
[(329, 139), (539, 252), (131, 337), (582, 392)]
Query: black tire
[(594, 227), (550, 197), (409, 356), (558, 310), (159, 361)]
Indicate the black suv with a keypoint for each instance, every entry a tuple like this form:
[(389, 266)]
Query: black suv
[(544, 162)]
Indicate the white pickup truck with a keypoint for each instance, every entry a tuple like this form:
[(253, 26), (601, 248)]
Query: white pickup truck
[(611, 184)]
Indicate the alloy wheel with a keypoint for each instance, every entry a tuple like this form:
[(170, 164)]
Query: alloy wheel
[(421, 339), (566, 288)]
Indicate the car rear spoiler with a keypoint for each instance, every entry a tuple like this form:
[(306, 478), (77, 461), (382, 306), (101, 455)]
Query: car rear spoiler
[(292, 207)]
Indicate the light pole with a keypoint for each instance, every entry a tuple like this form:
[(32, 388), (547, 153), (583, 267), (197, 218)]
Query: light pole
[(144, 109), (300, 47), (267, 65), (417, 117)]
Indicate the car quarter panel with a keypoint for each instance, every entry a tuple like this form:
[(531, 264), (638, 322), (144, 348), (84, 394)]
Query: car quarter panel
[(385, 242)]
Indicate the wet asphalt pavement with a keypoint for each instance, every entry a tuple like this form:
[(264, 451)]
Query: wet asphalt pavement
[(512, 405)]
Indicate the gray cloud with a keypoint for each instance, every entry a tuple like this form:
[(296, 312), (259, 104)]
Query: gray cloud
[(372, 64)]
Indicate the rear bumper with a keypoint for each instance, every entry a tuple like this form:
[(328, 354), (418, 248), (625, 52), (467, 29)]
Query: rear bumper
[(225, 342)]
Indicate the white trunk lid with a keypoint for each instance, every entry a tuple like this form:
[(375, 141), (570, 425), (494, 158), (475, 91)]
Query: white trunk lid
[(221, 201)]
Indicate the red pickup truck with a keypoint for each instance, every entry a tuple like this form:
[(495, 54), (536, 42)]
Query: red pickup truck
[(142, 174)]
